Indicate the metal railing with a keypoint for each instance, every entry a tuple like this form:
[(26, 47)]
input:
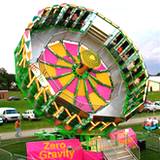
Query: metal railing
[(19, 157), (102, 145), (5, 154), (110, 148), (153, 142), (107, 146), (134, 150)]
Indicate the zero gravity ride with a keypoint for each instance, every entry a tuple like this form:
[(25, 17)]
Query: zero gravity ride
[(80, 69)]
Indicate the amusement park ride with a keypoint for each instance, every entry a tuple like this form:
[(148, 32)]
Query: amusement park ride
[(80, 70)]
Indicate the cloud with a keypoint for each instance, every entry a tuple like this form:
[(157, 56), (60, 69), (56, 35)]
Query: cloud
[(152, 66), (148, 43), (156, 50), (139, 19), (154, 55)]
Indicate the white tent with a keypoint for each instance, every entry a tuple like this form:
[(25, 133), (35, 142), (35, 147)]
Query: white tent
[(154, 84)]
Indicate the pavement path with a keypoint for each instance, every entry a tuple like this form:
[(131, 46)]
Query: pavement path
[(29, 133), (138, 120), (24, 133)]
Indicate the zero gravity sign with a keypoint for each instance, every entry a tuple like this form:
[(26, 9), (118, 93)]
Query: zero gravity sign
[(69, 149), (57, 150)]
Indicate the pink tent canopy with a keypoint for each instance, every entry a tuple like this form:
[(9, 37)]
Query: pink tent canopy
[(125, 136)]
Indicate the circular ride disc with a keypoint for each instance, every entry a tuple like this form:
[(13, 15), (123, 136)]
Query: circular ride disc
[(80, 69)]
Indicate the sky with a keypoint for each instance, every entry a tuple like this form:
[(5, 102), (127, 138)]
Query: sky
[(140, 19)]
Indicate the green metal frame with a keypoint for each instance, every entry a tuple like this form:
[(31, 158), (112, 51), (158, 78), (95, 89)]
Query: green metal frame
[(134, 97)]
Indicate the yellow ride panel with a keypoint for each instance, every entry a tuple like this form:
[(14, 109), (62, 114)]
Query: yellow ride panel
[(46, 70), (58, 49), (81, 90), (93, 82), (63, 63), (67, 95), (76, 59), (104, 78), (96, 101), (64, 80)]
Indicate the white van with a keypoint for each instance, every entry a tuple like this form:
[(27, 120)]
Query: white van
[(1, 121), (9, 114)]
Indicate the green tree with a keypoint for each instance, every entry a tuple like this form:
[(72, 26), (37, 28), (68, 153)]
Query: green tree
[(3, 79), (7, 81)]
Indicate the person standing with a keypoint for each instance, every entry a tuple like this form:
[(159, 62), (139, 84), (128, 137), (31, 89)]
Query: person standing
[(155, 122), (18, 128)]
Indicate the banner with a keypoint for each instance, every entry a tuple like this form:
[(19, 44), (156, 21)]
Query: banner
[(89, 155), (69, 149)]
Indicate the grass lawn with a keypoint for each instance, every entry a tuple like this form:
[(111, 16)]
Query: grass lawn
[(21, 106), (153, 96), (150, 155), (17, 146), (26, 125), (147, 114)]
